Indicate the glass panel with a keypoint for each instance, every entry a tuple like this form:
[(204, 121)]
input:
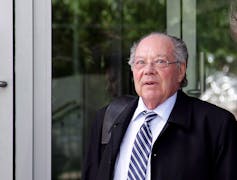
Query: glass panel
[(91, 41), (217, 53)]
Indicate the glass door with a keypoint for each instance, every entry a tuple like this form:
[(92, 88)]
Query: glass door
[(216, 53), (6, 89), (209, 29), (90, 49)]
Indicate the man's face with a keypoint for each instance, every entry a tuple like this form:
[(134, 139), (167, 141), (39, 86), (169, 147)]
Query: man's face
[(152, 83)]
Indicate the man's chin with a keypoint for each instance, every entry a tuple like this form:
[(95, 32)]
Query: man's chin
[(151, 97)]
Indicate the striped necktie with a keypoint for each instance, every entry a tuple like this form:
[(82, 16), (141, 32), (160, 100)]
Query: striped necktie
[(141, 150)]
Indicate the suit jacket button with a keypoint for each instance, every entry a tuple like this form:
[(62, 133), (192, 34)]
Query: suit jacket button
[(154, 155)]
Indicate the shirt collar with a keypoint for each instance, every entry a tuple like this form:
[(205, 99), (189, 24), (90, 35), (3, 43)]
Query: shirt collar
[(163, 110)]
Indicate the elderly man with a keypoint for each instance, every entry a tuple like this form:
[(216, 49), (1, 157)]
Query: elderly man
[(162, 134)]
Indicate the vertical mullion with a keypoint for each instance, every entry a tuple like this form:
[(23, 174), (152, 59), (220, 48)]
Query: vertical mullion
[(173, 14), (189, 36), (24, 89), (42, 89)]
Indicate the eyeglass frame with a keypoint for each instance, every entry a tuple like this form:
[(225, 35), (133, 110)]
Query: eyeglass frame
[(159, 63)]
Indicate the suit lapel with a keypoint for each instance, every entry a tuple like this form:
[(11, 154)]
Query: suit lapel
[(181, 113)]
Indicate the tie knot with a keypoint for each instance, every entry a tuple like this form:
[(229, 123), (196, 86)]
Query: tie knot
[(150, 116)]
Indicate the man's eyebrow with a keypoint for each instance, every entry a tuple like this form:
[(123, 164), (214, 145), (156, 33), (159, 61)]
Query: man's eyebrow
[(139, 57), (156, 56), (161, 56)]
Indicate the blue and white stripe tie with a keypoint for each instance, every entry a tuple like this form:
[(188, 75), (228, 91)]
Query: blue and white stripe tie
[(141, 150)]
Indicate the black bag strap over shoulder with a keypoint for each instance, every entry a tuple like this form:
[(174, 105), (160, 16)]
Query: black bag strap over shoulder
[(114, 109)]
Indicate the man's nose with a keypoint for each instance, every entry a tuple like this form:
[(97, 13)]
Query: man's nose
[(149, 68)]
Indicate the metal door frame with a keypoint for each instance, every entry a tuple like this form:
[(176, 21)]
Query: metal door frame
[(6, 93), (32, 89)]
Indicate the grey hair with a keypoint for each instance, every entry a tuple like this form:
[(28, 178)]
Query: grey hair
[(180, 51)]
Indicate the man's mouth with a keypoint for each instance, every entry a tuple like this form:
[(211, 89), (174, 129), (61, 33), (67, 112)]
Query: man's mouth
[(149, 83)]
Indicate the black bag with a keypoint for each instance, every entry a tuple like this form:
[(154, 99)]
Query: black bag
[(113, 110)]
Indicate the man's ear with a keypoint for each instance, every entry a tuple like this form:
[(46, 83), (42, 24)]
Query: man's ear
[(182, 71)]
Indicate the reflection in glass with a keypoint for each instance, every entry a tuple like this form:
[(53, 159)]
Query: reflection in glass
[(216, 22), (222, 91)]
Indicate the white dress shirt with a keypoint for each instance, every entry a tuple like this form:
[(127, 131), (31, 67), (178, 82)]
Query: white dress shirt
[(156, 125)]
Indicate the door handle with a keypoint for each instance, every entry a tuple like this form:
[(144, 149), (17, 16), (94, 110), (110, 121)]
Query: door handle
[(3, 84)]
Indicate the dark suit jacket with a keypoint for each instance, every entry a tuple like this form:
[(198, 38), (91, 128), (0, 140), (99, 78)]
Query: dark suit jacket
[(199, 142)]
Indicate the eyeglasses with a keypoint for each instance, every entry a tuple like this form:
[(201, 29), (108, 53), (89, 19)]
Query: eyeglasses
[(159, 63)]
